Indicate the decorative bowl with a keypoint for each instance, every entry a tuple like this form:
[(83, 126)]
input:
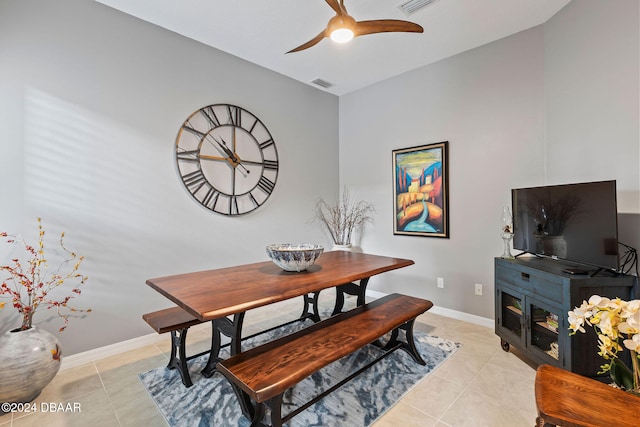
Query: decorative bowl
[(294, 256)]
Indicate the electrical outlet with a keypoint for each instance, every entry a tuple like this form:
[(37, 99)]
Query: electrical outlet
[(440, 281), (478, 289)]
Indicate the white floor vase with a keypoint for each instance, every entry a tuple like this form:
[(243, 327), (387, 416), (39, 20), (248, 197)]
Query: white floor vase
[(30, 358)]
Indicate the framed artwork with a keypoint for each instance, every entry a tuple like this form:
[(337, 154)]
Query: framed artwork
[(421, 191)]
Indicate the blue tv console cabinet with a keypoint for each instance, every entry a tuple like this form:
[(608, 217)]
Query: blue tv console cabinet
[(533, 297)]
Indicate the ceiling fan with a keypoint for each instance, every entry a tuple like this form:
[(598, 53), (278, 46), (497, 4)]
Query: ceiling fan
[(342, 27)]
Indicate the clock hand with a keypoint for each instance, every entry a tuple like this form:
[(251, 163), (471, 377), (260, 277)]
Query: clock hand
[(235, 161), (245, 169), (232, 156), (206, 157), (267, 164), (224, 147)]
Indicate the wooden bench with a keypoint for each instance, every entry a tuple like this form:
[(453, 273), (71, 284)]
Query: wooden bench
[(264, 373), (177, 321), (571, 400)]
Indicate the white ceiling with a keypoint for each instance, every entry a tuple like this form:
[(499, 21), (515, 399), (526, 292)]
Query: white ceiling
[(261, 31)]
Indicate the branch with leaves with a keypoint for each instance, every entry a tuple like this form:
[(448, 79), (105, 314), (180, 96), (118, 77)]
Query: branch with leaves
[(342, 218), (29, 284)]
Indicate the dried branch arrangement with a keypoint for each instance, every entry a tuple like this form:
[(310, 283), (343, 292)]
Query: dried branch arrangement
[(342, 218)]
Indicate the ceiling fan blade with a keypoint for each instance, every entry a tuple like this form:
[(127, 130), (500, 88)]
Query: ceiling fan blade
[(335, 5), (386, 26), (314, 41)]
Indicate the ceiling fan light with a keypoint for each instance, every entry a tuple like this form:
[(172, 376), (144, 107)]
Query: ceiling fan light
[(341, 35)]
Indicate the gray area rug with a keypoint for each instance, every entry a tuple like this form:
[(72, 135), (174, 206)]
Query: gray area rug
[(211, 401)]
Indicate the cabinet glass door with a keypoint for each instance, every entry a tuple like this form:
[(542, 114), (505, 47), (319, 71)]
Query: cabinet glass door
[(512, 314), (544, 331)]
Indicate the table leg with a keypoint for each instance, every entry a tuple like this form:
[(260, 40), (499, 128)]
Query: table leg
[(350, 289), (311, 300), (178, 359), (253, 411), (228, 328), (408, 344)]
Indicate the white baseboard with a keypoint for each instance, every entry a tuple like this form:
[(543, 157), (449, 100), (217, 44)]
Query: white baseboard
[(466, 317), (90, 356), (447, 312), (109, 350)]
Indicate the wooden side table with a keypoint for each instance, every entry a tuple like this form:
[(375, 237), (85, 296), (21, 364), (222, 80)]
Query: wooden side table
[(571, 400)]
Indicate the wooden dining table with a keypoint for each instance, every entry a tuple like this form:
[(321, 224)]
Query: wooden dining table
[(217, 294)]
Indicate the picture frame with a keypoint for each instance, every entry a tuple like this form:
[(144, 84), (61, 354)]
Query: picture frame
[(421, 190)]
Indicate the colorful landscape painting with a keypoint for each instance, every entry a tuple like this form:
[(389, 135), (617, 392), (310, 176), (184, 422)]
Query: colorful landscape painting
[(421, 196)]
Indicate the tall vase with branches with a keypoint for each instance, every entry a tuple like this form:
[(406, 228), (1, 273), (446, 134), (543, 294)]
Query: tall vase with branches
[(30, 355), (344, 217), (29, 285)]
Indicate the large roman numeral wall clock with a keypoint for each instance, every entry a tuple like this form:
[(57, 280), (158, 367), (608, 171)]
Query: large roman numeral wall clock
[(227, 159)]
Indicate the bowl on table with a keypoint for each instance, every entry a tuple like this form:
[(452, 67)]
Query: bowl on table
[(294, 256)]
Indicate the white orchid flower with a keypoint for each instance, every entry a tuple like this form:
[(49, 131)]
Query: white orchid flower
[(576, 321), (630, 308), (598, 301), (634, 343), (631, 325)]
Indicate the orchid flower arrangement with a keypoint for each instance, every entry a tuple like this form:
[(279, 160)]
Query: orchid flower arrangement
[(28, 285), (617, 325)]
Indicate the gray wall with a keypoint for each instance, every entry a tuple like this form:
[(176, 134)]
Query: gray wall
[(592, 80), (554, 104), (489, 104), (91, 101), (591, 77)]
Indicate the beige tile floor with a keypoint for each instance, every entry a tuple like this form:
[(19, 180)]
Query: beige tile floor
[(480, 385)]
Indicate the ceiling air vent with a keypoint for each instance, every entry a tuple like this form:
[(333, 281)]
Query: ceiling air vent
[(322, 83), (412, 6)]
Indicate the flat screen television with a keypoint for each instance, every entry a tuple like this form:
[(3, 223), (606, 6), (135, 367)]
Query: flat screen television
[(573, 222)]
